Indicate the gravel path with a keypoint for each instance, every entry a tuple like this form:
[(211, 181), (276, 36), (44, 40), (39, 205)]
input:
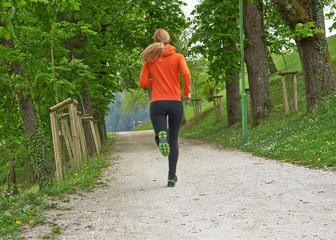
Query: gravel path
[(221, 194)]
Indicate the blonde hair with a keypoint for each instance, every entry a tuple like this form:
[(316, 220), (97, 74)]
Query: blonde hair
[(156, 49)]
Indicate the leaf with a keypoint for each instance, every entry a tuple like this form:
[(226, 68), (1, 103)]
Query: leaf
[(4, 33), (7, 35)]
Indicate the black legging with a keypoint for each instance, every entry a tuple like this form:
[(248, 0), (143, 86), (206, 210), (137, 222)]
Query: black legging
[(159, 110)]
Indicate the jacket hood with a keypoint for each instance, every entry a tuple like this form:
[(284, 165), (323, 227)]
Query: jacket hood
[(170, 50)]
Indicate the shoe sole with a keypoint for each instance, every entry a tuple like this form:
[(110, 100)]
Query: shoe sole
[(163, 143), (171, 182)]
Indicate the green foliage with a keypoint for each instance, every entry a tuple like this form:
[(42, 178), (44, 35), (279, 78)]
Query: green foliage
[(215, 35), (277, 34), (305, 31), (209, 90), (199, 75), (135, 99)]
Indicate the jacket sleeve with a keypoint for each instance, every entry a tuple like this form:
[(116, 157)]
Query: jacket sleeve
[(144, 81), (185, 75)]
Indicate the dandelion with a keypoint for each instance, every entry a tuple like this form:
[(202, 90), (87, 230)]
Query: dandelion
[(13, 204), (4, 198), (18, 222), (302, 140), (76, 174), (332, 143), (30, 211), (319, 159), (31, 221)]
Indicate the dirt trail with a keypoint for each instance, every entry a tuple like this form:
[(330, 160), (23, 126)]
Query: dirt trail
[(221, 194)]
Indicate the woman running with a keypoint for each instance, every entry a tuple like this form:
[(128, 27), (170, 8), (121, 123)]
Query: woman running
[(163, 65)]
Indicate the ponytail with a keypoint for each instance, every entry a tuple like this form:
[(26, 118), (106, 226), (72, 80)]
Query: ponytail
[(153, 51)]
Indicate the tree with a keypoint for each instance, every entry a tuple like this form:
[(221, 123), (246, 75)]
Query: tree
[(306, 20), (256, 62), (39, 151), (215, 34)]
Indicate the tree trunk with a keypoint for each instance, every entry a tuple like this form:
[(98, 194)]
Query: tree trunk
[(256, 63), (233, 106), (271, 66), (36, 141), (314, 52)]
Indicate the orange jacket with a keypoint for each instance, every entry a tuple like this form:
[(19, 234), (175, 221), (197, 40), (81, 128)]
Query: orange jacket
[(164, 71)]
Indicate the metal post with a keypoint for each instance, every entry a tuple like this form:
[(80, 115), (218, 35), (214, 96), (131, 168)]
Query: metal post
[(244, 111)]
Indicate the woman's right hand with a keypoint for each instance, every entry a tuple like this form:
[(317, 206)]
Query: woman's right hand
[(187, 98)]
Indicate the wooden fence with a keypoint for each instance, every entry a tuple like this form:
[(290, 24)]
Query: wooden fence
[(197, 107), (218, 107), (284, 91), (73, 135)]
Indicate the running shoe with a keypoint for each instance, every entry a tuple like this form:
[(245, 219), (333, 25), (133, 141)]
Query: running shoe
[(163, 143), (172, 181)]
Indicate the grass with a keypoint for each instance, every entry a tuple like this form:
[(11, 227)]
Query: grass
[(298, 139), (27, 208)]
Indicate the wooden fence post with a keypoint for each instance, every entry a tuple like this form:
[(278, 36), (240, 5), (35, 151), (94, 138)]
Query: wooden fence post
[(92, 132), (75, 135), (98, 135), (67, 139), (82, 136), (295, 97), (247, 103), (57, 147), (284, 92), (215, 108), (218, 107), (95, 138)]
